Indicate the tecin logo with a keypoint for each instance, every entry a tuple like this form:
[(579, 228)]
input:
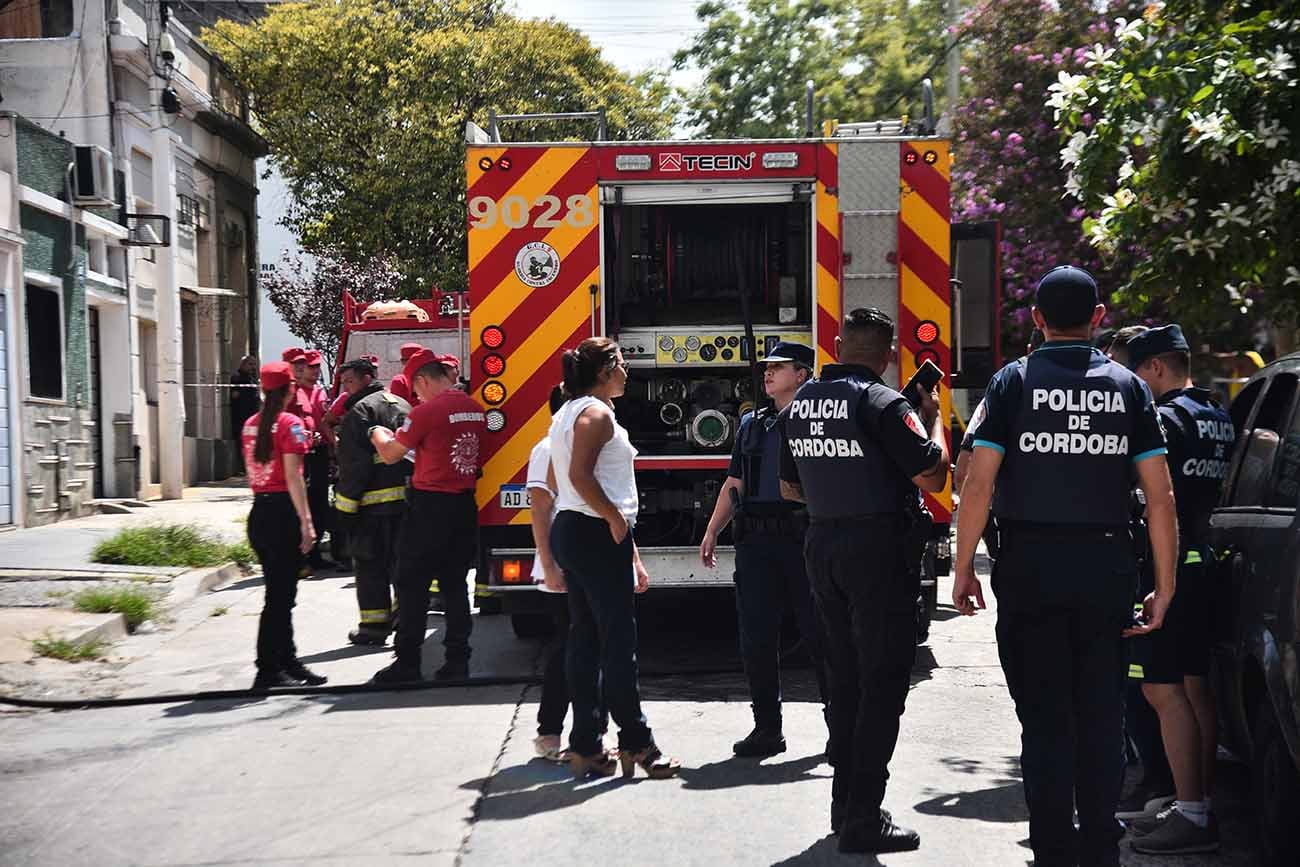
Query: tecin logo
[(675, 162)]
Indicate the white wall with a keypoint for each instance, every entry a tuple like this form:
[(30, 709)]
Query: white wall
[(273, 242)]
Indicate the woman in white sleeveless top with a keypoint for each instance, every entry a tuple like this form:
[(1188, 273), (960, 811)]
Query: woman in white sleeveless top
[(592, 541)]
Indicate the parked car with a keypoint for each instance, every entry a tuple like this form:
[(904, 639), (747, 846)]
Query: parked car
[(1256, 532)]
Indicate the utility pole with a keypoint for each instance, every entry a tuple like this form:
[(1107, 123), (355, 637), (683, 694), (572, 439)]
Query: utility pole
[(167, 303)]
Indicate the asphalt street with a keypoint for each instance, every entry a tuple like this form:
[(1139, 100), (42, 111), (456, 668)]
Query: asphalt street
[(448, 776)]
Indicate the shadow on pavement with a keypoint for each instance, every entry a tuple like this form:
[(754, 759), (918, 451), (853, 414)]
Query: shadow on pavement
[(824, 851), (347, 651), (1004, 801), (197, 708), (736, 772), (241, 584), (534, 788)]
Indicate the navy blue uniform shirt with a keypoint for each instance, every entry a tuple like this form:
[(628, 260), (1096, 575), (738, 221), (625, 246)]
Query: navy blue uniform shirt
[(853, 444), (1070, 424), (1200, 436), (759, 441)]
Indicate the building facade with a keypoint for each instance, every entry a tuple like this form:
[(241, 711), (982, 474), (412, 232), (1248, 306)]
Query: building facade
[(90, 417)]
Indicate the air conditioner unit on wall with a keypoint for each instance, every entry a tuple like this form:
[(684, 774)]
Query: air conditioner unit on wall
[(92, 176)]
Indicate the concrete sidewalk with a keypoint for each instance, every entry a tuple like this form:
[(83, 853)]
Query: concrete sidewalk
[(42, 569)]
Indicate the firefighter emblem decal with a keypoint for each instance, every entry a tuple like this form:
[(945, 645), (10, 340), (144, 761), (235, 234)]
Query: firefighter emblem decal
[(537, 264)]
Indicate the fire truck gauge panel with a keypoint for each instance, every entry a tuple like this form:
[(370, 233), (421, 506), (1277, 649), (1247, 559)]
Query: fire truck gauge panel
[(709, 348)]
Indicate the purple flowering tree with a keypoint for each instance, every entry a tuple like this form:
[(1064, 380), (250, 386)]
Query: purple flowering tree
[(308, 294), (1007, 145)]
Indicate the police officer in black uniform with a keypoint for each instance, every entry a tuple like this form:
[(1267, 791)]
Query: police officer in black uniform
[(856, 452), (768, 531), (1063, 432), (1175, 664)]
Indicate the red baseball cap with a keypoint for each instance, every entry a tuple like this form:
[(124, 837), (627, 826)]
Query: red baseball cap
[(425, 357), (276, 374), (312, 357), (294, 355), (409, 349)]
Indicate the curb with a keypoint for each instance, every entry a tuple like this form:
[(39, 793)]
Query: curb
[(190, 585)]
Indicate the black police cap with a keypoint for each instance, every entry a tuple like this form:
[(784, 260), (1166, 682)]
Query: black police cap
[(1066, 295), (790, 351), (1153, 342)]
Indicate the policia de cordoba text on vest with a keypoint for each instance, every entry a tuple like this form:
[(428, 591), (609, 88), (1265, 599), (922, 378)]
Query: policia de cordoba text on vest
[(1080, 405), (815, 410)]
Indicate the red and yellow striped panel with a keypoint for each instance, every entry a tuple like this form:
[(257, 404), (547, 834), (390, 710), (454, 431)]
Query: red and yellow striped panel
[(924, 295), (829, 255), (518, 188)]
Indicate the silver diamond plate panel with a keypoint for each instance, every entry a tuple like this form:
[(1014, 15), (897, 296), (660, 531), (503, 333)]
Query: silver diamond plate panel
[(868, 176), (879, 292), (871, 242)]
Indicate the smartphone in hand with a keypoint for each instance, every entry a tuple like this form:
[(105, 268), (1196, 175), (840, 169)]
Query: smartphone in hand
[(927, 376)]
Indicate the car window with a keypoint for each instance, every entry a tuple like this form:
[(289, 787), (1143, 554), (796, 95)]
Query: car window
[(1284, 489), (1259, 445), (1240, 411)]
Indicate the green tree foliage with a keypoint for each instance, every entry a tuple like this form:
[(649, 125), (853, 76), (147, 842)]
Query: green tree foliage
[(865, 58), (1181, 138), (364, 103)]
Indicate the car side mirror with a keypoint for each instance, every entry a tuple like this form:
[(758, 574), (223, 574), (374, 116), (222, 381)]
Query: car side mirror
[(1256, 467)]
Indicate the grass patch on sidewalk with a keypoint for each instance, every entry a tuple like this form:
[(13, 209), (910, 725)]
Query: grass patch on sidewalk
[(134, 604), (67, 650), (169, 545)]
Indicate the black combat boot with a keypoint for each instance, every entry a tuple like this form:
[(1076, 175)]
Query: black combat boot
[(398, 672), (295, 669), (763, 741), (879, 836)]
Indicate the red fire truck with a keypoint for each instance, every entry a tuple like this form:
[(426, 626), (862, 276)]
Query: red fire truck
[(654, 244)]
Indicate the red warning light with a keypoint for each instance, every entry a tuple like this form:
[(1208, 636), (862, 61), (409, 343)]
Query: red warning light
[(505, 164), (494, 365), (493, 337), (927, 332), (910, 158)]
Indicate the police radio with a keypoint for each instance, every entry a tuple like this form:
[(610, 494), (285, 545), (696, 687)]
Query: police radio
[(927, 376)]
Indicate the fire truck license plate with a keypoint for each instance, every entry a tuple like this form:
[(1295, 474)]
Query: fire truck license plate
[(515, 497)]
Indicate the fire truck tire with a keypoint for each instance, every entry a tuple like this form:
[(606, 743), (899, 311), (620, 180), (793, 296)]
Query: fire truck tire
[(532, 624)]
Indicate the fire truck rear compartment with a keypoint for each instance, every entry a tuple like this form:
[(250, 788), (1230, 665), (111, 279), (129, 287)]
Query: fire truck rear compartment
[(672, 265)]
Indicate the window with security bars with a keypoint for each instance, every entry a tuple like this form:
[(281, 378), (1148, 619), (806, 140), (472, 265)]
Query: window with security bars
[(192, 212)]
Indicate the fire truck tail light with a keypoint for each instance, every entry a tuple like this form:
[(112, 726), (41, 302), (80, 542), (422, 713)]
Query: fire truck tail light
[(496, 421), (910, 158), (493, 337), (494, 365), (927, 355), (931, 158), (512, 572), (494, 393), (927, 332), (632, 162), (781, 160)]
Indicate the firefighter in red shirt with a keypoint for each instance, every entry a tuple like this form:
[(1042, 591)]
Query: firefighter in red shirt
[(310, 405), (279, 526), (401, 384), (441, 522)]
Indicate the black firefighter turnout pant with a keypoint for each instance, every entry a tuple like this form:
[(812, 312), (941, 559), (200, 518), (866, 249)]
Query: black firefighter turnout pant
[(1063, 601), (866, 599), (436, 543), (373, 541)]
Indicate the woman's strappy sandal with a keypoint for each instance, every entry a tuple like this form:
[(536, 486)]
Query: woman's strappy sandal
[(656, 765), (602, 764)]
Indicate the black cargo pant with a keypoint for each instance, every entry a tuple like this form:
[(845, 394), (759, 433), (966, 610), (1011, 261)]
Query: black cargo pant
[(866, 598), (602, 632), (274, 534), (436, 541), (771, 576), (373, 540), (1063, 601), (317, 468)]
